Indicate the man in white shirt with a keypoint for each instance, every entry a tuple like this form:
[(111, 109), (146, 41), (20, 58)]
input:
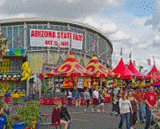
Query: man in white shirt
[(95, 99), (69, 97)]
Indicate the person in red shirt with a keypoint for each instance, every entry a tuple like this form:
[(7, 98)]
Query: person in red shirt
[(150, 98), (139, 97)]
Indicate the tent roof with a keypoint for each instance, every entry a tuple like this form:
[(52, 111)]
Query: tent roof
[(95, 68), (156, 83), (154, 73), (122, 70), (134, 70), (70, 67)]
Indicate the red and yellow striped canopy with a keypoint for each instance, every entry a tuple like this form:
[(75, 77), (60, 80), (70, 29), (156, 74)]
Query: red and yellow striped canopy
[(96, 69), (70, 67)]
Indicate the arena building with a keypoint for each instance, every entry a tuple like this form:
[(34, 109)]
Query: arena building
[(47, 41)]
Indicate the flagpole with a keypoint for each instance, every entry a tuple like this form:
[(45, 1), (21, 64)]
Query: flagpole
[(85, 47), (70, 44)]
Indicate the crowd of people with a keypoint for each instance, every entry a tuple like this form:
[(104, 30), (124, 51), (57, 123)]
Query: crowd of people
[(133, 105)]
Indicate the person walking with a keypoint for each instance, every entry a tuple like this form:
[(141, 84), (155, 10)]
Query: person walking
[(77, 97), (150, 99), (101, 101), (139, 98), (87, 98), (95, 100), (56, 114), (134, 110), (125, 109), (64, 115), (69, 97), (115, 104)]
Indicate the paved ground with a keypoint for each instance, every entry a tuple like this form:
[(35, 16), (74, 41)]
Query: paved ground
[(88, 120)]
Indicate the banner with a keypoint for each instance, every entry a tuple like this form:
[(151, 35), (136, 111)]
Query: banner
[(51, 38)]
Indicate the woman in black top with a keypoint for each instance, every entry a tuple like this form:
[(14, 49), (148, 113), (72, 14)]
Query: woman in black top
[(64, 115)]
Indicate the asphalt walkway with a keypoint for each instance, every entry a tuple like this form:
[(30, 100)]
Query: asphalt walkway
[(88, 120)]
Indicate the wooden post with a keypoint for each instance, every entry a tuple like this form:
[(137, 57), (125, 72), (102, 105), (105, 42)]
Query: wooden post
[(27, 88)]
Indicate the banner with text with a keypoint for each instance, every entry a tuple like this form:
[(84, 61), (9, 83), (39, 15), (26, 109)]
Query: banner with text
[(51, 38)]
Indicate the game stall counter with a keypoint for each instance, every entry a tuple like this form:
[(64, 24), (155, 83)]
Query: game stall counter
[(11, 72)]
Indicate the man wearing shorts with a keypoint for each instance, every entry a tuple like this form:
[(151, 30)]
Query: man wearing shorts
[(95, 99)]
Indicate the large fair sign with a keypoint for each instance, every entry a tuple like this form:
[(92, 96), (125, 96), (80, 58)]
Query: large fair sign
[(50, 38)]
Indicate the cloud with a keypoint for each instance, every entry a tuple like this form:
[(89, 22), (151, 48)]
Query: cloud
[(58, 8), (119, 35), (155, 20), (19, 15), (2, 2), (90, 22), (109, 28)]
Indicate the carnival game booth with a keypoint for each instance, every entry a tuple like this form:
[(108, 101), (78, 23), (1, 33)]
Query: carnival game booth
[(69, 71), (11, 72)]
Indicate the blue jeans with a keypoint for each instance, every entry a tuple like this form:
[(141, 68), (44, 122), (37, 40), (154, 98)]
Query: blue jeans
[(141, 114), (148, 119), (128, 119)]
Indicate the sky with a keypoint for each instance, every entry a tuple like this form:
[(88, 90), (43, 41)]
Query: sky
[(132, 25)]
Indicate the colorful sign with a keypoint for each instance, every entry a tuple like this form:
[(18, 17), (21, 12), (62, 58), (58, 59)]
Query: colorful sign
[(59, 39)]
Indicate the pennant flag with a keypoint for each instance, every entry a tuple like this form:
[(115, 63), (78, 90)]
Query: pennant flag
[(153, 60), (134, 62), (130, 56), (149, 62), (121, 52)]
